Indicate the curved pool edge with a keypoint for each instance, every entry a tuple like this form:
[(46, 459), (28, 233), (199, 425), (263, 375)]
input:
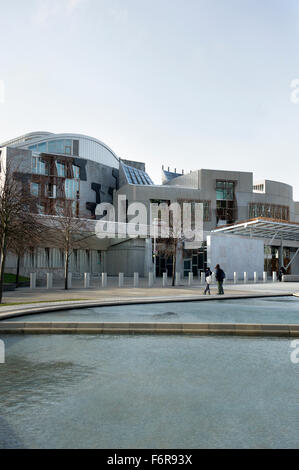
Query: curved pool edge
[(232, 329), (33, 309)]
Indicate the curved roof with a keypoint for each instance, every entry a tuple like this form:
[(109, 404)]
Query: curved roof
[(90, 147)]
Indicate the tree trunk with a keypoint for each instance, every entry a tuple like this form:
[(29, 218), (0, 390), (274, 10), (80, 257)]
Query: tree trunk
[(66, 270), (18, 270), (2, 264), (173, 270)]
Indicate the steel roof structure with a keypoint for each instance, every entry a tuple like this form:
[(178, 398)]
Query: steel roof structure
[(263, 228)]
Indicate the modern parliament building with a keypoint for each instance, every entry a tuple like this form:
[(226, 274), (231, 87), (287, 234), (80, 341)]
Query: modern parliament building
[(250, 226)]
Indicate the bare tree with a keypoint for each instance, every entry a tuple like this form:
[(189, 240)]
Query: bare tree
[(69, 234), (17, 221), (22, 241), (172, 245)]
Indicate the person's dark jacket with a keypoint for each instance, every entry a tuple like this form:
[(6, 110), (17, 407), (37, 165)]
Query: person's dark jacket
[(208, 273), (220, 275)]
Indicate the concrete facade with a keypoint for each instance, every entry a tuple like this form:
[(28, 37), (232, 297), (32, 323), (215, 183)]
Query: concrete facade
[(222, 250), (98, 175)]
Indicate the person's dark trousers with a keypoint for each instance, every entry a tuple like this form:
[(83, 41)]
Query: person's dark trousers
[(220, 288)]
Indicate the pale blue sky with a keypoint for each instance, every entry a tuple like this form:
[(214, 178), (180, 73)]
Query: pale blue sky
[(186, 83)]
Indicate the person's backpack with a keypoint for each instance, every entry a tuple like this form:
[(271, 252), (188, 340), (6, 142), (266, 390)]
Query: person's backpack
[(221, 274)]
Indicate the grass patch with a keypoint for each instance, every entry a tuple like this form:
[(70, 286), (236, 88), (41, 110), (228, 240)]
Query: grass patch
[(11, 278)]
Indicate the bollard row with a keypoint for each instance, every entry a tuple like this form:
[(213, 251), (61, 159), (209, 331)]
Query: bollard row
[(151, 279)]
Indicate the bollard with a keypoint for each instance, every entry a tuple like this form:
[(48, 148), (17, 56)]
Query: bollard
[(33, 281), (255, 277), (190, 282), (49, 280), (177, 279), (213, 278), (203, 278), (121, 277), (235, 278), (104, 280), (150, 279), (136, 280), (245, 277), (86, 280), (69, 280), (274, 276), (265, 276), (165, 280)]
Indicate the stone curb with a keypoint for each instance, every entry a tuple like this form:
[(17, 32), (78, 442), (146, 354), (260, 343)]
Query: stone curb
[(150, 328)]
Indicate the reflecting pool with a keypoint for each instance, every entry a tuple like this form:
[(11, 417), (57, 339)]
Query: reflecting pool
[(262, 310), (148, 392)]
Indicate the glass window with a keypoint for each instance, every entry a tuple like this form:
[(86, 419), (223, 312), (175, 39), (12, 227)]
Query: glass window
[(76, 171), (39, 166), (68, 147), (34, 164), (33, 148), (60, 146), (60, 169), (51, 189), (52, 146), (42, 148), (56, 146), (34, 189), (71, 188), (225, 190)]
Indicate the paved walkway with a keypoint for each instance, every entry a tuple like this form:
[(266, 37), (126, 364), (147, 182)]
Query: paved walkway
[(44, 300)]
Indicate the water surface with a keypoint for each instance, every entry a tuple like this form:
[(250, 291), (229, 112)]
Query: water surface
[(262, 310), (148, 392)]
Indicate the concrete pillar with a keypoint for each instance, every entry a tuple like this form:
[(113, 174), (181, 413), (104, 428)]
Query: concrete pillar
[(86, 280), (70, 280), (265, 276), (104, 280), (255, 277), (235, 278), (136, 280), (150, 279), (274, 276), (190, 282), (203, 278), (50, 281), (121, 278), (177, 279), (165, 283), (245, 277), (33, 281)]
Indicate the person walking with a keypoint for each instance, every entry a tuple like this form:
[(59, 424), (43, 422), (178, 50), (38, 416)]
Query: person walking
[(208, 274), (220, 276), (282, 272)]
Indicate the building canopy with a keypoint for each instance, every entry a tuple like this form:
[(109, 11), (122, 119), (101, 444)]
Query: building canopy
[(263, 228)]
